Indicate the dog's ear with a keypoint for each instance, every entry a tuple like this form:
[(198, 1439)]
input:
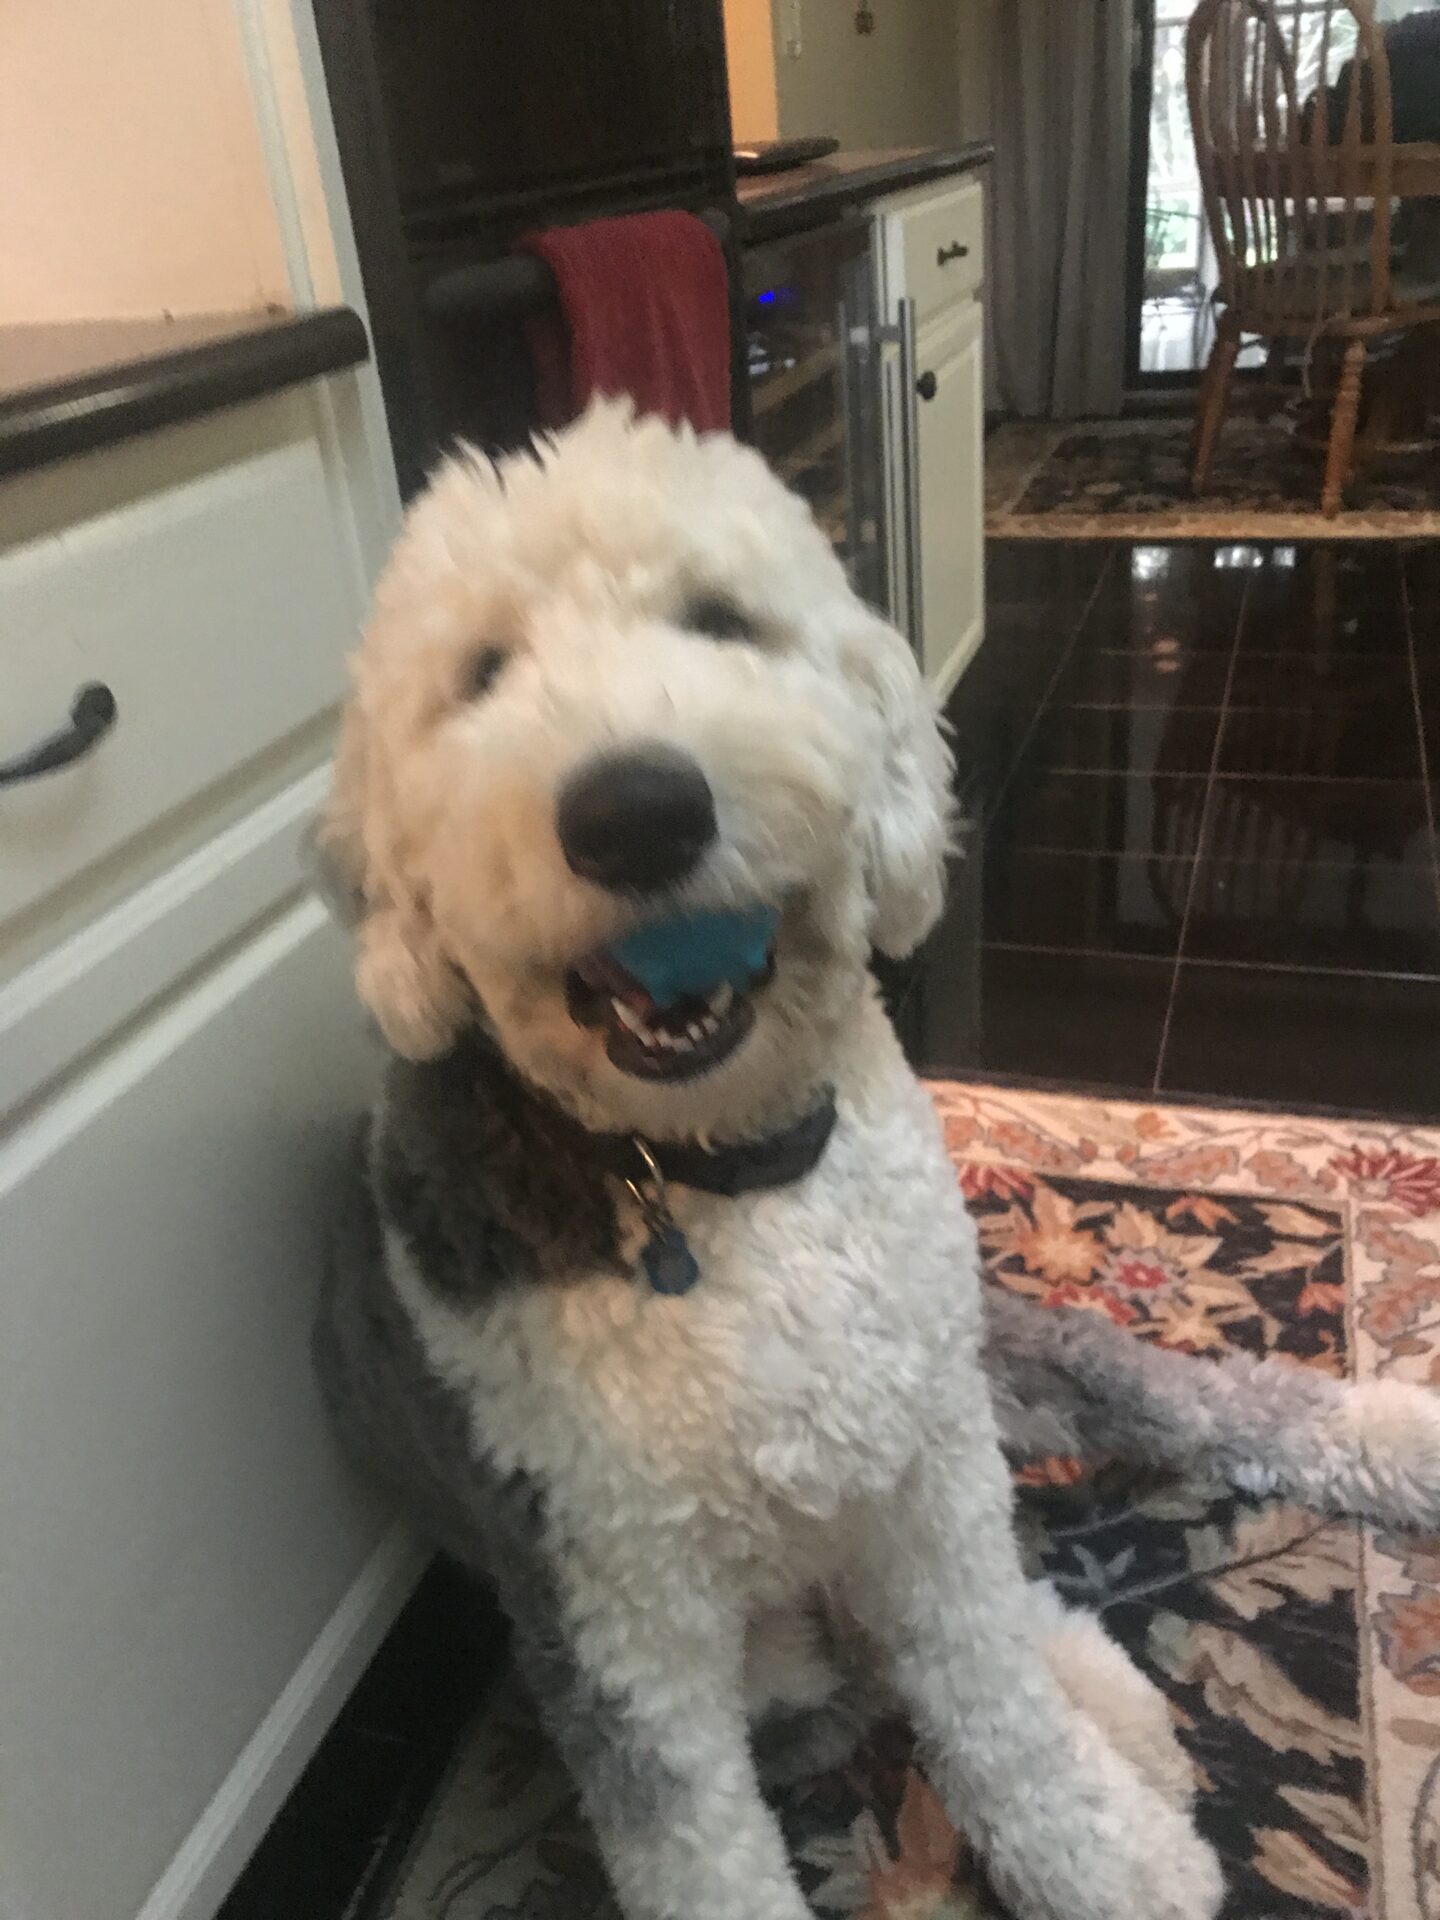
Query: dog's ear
[(907, 815), (401, 972)]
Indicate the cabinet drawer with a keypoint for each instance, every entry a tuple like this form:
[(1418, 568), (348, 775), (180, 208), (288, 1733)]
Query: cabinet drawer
[(942, 248), (205, 580)]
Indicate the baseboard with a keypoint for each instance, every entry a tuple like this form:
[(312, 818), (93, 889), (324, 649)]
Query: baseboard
[(252, 1793)]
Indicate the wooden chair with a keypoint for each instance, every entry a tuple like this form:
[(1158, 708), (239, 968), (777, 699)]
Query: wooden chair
[(1299, 203)]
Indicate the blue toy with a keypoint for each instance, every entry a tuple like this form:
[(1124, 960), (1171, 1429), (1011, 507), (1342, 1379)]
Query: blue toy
[(694, 953)]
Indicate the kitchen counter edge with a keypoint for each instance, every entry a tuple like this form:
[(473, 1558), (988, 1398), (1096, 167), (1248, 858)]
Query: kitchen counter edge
[(244, 357), (776, 204)]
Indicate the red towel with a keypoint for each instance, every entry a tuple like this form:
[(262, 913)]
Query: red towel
[(644, 310)]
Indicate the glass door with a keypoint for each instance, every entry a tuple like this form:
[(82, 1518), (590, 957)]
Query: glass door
[(812, 358)]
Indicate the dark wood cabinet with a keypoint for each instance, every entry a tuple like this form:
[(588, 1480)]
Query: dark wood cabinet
[(497, 107), (465, 123)]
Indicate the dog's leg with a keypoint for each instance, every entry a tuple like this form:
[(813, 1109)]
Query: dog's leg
[(666, 1778), (1071, 1829), (1066, 1381), (642, 1696), (1102, 1680), (639, 1682)]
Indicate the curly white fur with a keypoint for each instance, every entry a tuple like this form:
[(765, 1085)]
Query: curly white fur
[(815, 1412), (830, 777)]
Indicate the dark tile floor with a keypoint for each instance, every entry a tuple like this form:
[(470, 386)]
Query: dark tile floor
[(333, 1851), (1202, 785)]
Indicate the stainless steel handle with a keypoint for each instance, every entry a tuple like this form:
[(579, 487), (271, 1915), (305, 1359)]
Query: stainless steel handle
[(92, 714), (853, 342), (910, 438)]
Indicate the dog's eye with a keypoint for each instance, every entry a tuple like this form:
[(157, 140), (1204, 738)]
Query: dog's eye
[(482, 673), (718, 618)]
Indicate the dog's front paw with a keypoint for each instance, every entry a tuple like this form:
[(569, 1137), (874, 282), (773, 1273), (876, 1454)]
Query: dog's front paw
[(1110, 1847), (1164, 1871), (1104, 1683)]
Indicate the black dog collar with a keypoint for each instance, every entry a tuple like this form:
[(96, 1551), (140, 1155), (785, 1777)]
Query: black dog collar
[(777, 1160), (650, 1167)]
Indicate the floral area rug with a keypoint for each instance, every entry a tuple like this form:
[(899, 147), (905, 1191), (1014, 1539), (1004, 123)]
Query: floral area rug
[(1301, 1658), (1130, 479)]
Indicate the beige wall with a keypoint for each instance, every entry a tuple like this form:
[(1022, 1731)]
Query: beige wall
[(750, 51), (894, 87), (131, 163)]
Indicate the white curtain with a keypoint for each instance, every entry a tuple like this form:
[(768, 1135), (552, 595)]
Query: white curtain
[(1060, 108)]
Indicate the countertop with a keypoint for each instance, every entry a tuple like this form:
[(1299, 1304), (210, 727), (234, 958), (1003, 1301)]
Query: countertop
[(776, 203), (73, 388)]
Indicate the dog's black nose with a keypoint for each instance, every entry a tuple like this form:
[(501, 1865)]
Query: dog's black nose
[(636, 819)]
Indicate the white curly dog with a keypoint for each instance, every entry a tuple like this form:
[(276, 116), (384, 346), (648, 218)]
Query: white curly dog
[(663, 1305)]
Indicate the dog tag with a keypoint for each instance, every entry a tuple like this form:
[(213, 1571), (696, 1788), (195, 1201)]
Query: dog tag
[(669, 1265)]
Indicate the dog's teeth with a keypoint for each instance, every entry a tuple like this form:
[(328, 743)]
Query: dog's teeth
[(696, 1031), (721, 998), (635, 1023)]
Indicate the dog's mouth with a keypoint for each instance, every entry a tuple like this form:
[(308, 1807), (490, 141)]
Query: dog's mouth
[(677, 1041)]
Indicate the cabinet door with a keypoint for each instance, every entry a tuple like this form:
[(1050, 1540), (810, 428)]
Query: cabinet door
[(950, 427), (810, 341), (177, 1526)]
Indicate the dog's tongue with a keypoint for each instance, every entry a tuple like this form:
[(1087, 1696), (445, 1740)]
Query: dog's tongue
[(694, 953)]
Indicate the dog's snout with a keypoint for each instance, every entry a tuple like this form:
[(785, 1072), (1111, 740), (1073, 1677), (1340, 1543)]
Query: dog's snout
[(636, 819)]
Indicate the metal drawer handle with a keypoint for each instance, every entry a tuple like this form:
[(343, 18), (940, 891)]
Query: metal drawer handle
[(92, 714), (946, 254), (927, 386)]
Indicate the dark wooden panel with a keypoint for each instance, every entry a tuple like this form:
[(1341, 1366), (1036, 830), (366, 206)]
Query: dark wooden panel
[(464, 123), (492, 102)]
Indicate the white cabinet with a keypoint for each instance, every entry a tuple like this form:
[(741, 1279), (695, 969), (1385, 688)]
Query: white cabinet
[(935, 244), (930, 255), (179, 1530), (190, 1580)]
